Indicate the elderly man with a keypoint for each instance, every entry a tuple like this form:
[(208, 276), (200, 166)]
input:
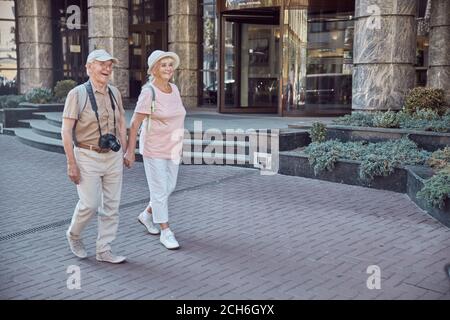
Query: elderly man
[(94, 138)]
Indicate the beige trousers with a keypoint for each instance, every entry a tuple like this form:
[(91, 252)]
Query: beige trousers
[(99, 191)]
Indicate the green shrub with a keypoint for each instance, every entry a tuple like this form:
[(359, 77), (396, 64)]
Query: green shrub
[(375, 165), (426, 114), (62, 88), (377, 159), (39, 95), (318, 132), (436, 189), (421, 98), (360, 119), (442, 124), (422, 119), (11, 101), (439, 159), (386, 119), (323, 156)]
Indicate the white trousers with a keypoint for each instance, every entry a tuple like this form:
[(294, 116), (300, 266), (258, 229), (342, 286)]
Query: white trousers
[(162, 179), (99, 191)]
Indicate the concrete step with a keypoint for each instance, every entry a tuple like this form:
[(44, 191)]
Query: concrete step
[(31, 138), (215, 158), (216, 143), (44, 128), (53, 118)]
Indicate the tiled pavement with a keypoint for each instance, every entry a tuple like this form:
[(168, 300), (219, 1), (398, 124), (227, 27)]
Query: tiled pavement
[(243, 236)]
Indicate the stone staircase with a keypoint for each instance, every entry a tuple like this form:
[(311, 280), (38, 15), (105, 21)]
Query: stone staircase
[(250, 148)]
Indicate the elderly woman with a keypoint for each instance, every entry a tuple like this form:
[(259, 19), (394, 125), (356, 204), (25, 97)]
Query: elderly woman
[(162, 113)]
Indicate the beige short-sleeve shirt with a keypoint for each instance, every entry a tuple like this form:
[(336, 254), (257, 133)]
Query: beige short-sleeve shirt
[(86, 129)]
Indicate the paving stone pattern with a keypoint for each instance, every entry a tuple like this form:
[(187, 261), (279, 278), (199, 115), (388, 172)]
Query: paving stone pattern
[(242, 236)]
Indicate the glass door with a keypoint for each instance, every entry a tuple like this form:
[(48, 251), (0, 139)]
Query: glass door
[(250, 61), (147, 32), (141, 44)]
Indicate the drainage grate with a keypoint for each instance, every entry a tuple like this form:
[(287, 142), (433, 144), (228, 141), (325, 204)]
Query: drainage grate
[(35, 229), (65, 222)]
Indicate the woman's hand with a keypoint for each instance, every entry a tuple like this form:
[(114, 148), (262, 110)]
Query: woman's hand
[(129, 159), (73, 172)]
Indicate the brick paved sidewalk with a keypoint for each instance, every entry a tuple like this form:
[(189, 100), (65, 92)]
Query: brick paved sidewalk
[(243, 236)]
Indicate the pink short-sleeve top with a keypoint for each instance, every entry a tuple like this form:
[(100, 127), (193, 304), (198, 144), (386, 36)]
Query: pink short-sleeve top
[(164, 140)]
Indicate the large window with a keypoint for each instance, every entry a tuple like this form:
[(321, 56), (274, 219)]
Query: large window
[(8, 52), (329, 62), (319, 59), (208, 54), (147, 32), (70, 40)]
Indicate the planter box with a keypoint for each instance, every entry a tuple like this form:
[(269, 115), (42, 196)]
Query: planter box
[(409, 179), (345, 171), (293, 139), (415, 183), (10, 117), (427, 140)]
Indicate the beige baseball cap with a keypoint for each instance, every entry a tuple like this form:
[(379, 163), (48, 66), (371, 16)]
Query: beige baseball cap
[(100, 55)]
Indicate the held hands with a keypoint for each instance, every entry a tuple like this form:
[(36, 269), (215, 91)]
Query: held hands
[(73, 172), (128, 159)]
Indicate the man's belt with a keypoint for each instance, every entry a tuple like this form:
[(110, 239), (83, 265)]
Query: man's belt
[(92, 148)]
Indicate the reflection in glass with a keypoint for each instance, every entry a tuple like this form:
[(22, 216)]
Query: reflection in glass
[(317, 60), (294, 59), (208, 70), (229, 67), (259, 65)]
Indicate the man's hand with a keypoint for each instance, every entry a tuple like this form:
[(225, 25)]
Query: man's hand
[(129, 159), (74, 173)]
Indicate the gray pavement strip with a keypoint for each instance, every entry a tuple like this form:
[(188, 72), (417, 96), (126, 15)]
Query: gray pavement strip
[(64, 222)]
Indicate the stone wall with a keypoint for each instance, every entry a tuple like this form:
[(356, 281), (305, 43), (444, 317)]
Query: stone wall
[(34, 44), (108, 29), (183, 19)]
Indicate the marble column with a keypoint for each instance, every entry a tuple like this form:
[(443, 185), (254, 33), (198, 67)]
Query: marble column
[(183, 18), (108, 29), (383, 53), (439, 51), (34, 44)]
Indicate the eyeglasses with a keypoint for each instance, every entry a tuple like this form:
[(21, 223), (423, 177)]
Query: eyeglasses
[(104, 64)]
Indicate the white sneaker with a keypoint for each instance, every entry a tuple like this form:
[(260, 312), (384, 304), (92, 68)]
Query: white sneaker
[(108, 256), (167, 238), (146, 220), (76, 246)]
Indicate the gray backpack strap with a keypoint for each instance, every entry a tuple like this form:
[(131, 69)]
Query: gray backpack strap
[(82, 99), (152, 107), (82, 102)]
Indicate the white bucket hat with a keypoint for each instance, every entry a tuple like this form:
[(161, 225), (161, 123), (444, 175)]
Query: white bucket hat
[(100, 55), (158, 55)]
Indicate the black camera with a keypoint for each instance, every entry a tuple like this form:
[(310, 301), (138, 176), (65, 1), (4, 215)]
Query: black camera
[(109, 141)]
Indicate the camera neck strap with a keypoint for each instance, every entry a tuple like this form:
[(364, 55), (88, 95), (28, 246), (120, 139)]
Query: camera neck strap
[(94, 106)]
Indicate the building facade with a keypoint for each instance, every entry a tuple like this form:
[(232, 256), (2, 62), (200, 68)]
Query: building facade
[(287, 57)]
